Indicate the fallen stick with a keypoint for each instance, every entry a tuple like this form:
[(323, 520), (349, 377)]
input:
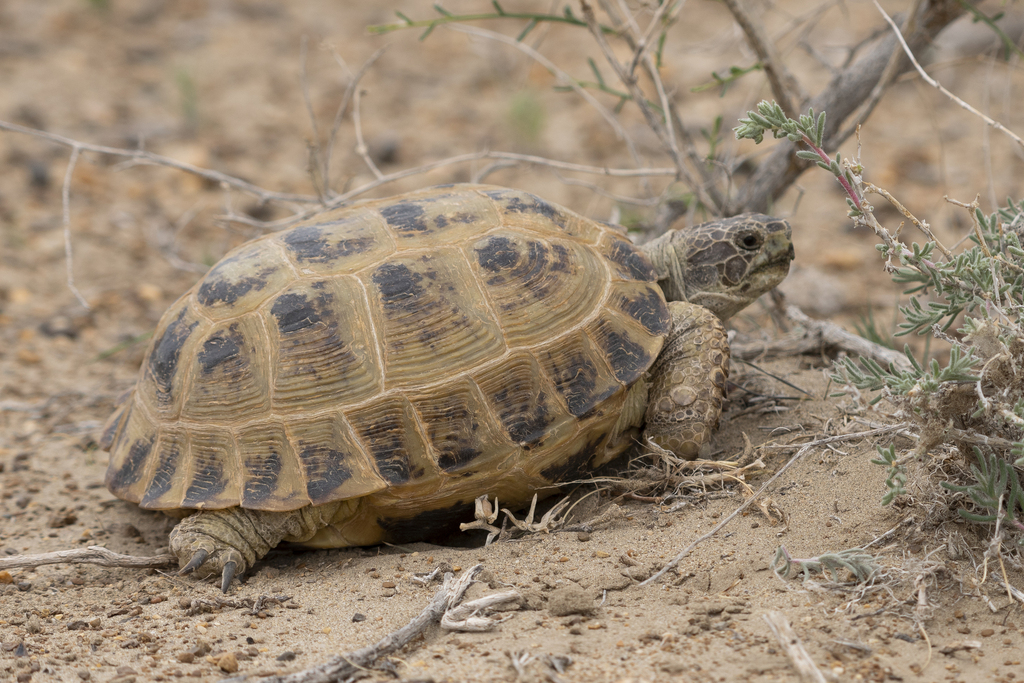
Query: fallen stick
[(340, 667), (789, 641), (817, 336), (94, 554)]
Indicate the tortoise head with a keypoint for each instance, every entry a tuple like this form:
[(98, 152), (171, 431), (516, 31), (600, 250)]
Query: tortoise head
[(723, 265)]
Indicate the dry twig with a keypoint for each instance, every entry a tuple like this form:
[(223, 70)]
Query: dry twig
[(340, 667), (938, 86), (814, 337), (785, 87), (845, 94), (94, 554), (802, 662), (804, 448)]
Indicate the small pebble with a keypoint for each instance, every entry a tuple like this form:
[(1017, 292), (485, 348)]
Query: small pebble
[(228, 663), (583, 536), (185, 657), (285, 656), (358, 617), (5, 577), (84, 674)]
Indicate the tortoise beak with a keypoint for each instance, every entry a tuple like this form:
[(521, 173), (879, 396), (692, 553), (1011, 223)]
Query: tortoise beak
[(777, 251)]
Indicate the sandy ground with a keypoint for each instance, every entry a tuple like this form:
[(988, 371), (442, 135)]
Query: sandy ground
[(217, 83)]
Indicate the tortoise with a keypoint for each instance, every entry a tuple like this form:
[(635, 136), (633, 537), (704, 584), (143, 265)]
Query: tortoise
[(365, 375)]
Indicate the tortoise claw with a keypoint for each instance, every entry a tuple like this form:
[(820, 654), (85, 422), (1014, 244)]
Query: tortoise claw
[(197, 561), (227, 575)]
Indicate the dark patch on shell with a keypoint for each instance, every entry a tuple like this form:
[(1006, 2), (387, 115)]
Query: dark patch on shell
[(207, 483), (575, 378), (218, 289), (131, 469), (456, 456), (575, 466), (453, 432), (308, 244), (525, 419), (163, 476), (163, 361), (628, 359), (497, 254), (325, 470), (562, 261), (397, 284), (632, 261), (405, 216), (221, 348), (385, 440), (428, 525), (523, 202), (650, 311), (113, 426), (261, 483), (295, 312)]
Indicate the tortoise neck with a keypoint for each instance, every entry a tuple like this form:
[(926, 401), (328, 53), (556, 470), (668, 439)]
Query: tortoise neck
[(667, 266)]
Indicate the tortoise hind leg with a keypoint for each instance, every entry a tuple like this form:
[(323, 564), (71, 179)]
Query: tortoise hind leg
[(230, 541), (688, 381)]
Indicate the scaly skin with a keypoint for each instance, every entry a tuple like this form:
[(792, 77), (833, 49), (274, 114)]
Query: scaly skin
[(688, 382), (227, 542)]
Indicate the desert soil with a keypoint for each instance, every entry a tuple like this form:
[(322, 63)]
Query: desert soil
[(217, 83)]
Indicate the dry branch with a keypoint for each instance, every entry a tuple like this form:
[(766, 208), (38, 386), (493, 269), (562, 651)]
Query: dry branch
[(844, 95), (146, 157), (789, 641), (340, 667), (817, 336), (94, 554), (938, 86), (785, 88)]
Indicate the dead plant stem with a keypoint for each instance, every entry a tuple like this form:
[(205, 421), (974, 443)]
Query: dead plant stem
[(804, 448)]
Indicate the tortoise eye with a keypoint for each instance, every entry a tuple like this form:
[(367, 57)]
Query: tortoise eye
[(750, 241)]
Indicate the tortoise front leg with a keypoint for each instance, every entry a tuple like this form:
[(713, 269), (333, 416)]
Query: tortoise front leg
[(230, 541), (688, 381)]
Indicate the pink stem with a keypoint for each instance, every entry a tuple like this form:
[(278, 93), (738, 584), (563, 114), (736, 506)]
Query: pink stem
[(842, 181)]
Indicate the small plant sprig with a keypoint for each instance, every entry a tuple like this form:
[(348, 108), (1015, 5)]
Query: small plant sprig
[(897, 478), (810, 130), (978, 396), (860, 564), (996, 490), (724, 82), (533, 20)]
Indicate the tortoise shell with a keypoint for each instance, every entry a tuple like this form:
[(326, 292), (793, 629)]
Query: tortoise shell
[(420, 348)]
